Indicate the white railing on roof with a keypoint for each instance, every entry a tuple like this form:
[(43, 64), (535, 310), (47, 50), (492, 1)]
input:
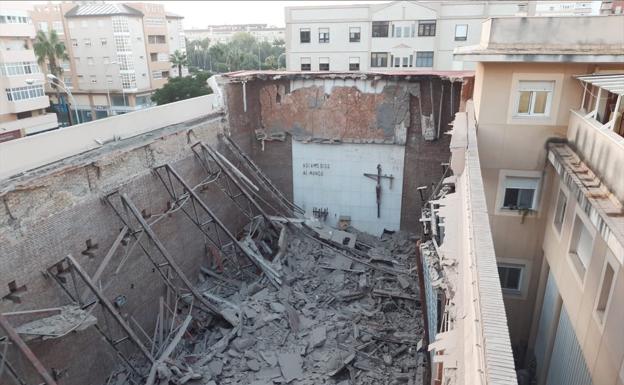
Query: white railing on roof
[(24, 154)]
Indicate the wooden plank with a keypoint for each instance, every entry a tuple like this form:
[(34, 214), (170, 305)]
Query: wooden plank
[(107, 258)]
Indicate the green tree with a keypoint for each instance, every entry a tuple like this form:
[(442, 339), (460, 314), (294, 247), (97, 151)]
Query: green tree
[(51, 50), (178, 59), (181, 88)]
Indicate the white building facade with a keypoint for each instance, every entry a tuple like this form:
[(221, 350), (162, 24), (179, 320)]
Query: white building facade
[(371, 37), (23, 101), (224, 33)]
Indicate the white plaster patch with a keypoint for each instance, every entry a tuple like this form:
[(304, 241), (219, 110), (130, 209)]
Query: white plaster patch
[(332, 177)]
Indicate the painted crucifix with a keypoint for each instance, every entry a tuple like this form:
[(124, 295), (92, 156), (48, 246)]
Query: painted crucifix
[(377, 177)]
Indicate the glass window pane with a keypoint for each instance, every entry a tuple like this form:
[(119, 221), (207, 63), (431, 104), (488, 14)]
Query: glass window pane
[(524, 102), (525, 199), (513, 278), (511, 198), (539, 106)]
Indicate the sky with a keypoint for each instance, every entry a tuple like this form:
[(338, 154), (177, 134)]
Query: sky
[(199, 14)]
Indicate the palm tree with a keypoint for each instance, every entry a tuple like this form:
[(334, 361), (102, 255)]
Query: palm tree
[(50, 49), (178, 59)]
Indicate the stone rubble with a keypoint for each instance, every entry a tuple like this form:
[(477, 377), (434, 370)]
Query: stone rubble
[(333, 320)]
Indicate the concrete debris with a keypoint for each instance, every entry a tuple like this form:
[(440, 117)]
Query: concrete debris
[(71, 318), (345, 313)]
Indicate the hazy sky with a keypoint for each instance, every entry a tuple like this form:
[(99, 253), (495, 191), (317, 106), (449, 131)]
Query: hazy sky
[(198, 14)]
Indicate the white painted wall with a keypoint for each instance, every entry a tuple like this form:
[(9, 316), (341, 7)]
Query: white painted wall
[(332, 176), (338, 18)]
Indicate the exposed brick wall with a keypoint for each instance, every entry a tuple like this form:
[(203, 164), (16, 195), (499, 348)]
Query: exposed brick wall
[(423, 159), (56, 214), (276, 158)]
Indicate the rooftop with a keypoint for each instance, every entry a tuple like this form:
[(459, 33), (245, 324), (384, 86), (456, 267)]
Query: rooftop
[(102, 10), (580, 39)]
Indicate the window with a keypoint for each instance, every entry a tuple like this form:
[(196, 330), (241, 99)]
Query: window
[(120, 24), (11, 19), (87, 42), (306, 64), (406, 31), (397, 31), (379, 59), (74, 42), (106, 60), (93, 79), (424, 59), (43, 26), (354, 34), (380, 28), (103, 41), (426, 28), (534, 98), (156, 74), (128, 81), (405, 61), (604, 293), (562, 202), (22, 93), (90, 61), (58, 27), (162, 56), (510, 276), (153, 56), (156, 39), (304, 35), (68, 81), (323, 35), (520, 193), (581, 245), (354, 64), (19, 68), (122, 44), (461, 32), (397, 62), (323, 64)]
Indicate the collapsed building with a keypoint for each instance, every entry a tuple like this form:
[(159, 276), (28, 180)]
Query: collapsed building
[(267, 233)]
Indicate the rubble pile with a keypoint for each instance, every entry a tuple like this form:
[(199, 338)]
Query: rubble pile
[(342, 315)]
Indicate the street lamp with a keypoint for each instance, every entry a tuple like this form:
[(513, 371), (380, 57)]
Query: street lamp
[(56, 81), (278, 60), (110, 110)]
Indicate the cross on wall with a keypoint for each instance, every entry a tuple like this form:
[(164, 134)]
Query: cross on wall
[(378, 177)]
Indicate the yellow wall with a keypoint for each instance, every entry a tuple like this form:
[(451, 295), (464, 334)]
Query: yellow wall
[(511, 144)]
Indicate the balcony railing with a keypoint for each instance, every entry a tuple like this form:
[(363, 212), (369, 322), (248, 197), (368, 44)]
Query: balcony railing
[(600, 147)]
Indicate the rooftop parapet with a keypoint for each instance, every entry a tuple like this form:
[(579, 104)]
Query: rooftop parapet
[(581, 39)]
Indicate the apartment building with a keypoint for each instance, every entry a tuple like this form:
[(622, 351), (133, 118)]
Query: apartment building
[(548, 105), (23, 102), (177, 39), (119, 53), (224, 33), (401, 34)]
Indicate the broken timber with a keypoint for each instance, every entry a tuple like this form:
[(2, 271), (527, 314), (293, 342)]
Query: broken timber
[(260, 176), (30, 356), (170, 261), (273, 276)]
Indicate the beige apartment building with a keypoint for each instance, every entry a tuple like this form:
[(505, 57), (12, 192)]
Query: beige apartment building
[(548, 107), (23, 101), (119, 53)]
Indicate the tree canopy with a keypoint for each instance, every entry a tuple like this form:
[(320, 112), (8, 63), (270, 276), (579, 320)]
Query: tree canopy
[(242, 52), (181, 88)]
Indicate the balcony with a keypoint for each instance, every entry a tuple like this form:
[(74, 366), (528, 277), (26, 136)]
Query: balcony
[(28, 104), (601, 148), (17, 30), (32, 125)]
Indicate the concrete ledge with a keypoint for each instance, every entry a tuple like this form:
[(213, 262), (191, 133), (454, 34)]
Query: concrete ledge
[(28, 153)]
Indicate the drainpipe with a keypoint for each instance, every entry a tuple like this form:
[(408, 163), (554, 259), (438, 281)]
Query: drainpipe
[(245, 96)]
